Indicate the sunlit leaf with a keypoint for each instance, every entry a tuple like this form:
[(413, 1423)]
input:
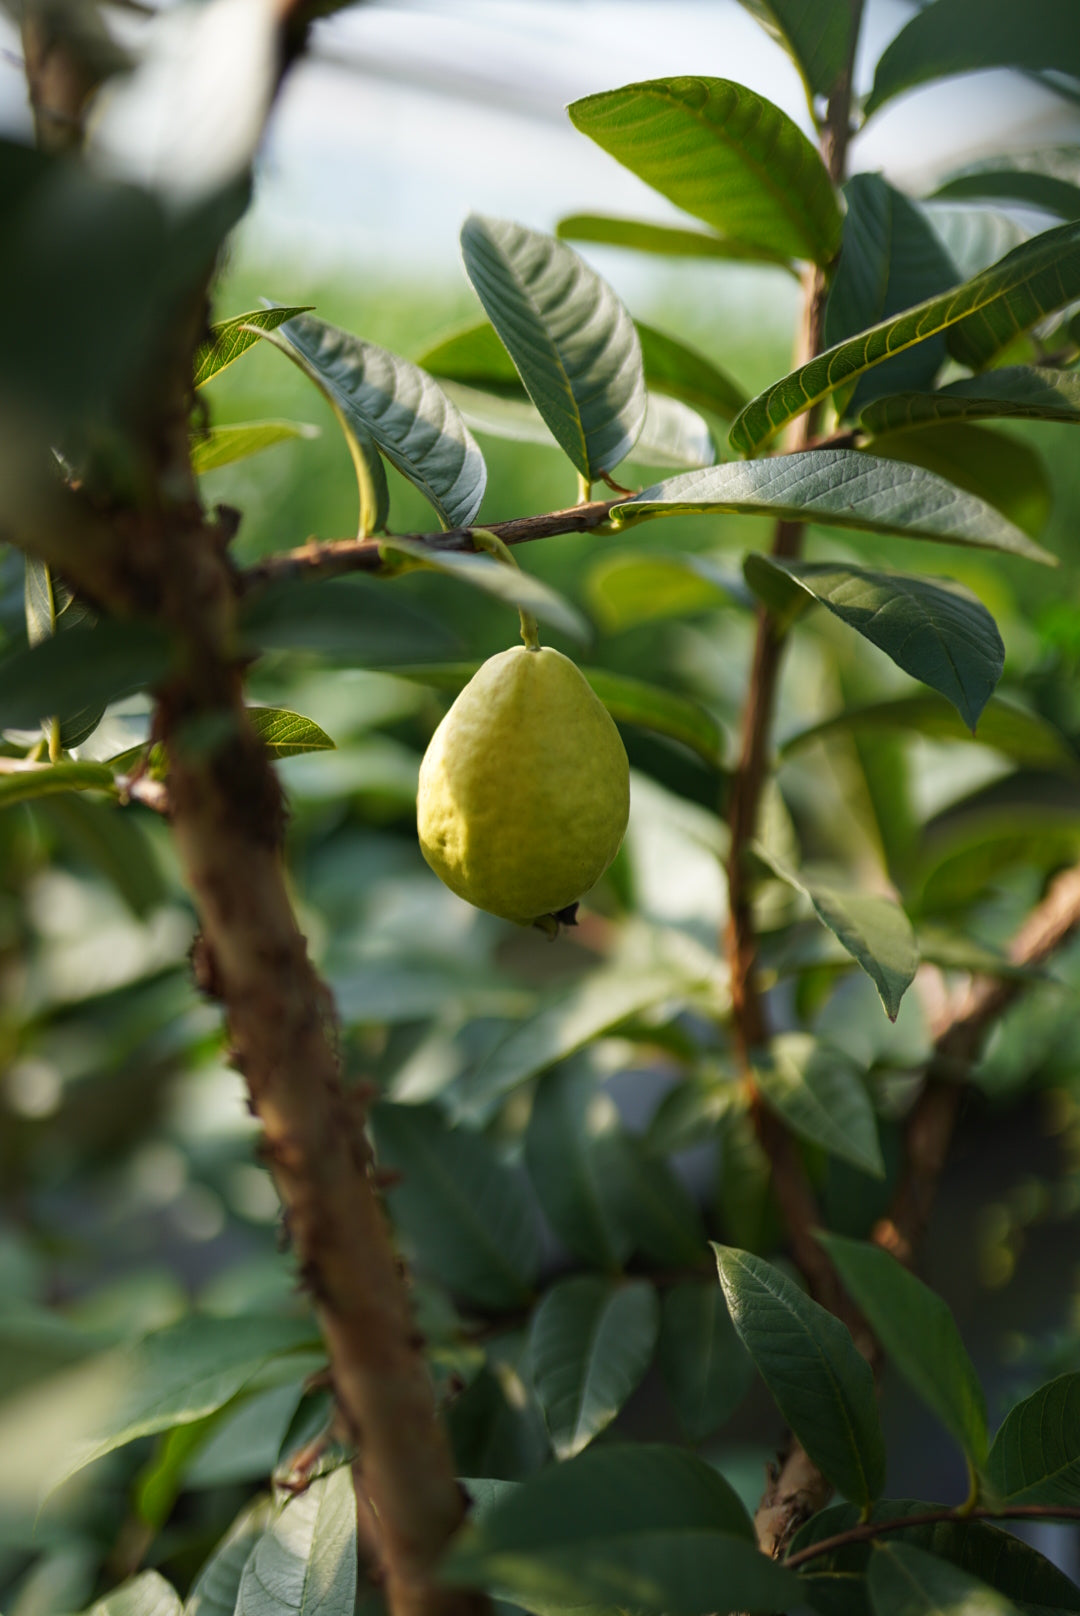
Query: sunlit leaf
[(822, 1385), (920, 1336), (724, 154), (936, 631), (1035, 1457), (837, 488), (22, 782), (382, 399), (221, 445), (592, 1341), (145, 1595), (572, 341), (231, 338), (890, 259), (966, 36), (1018, 185), (821, 1095), (181, 1373), (218, 1583), (996, 467), (817, 36), (306, 1559), (668, 241), (285, 734), (1018, 392), (990, 310), (652, 1529)]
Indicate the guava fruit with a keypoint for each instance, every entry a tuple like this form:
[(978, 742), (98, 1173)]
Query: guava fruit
[(525, 787)]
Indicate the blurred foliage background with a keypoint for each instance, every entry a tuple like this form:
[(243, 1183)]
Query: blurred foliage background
[(131, 1191)]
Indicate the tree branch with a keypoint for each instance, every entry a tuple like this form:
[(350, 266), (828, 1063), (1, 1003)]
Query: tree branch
[(337, 556), (868, 1530)]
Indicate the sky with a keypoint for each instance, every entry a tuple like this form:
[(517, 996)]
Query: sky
[(409, 115)]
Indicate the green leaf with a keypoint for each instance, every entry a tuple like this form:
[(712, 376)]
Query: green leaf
[(649, 1528), (673, 434), (493, 577), (705, 1367), (383, 399), (1023, 736), (936, 631), (49, 607), (1015, 392), (221, 445), (905, 1581), (231, 338), (989, 311), (744, 1195), (306, 1559), (146, 1595), (994, 466), (628, 587), (356, 620), (1035, 1457), (245, 1442), (569, 1019), (919, 1335), (592, 1341), (819, 1380), (23, 782), (652, 1204), (284, 734), (573, 1131), (1011, 1566), (218, 1583), (476, 358), (966, 36), (891, 258), (181, 1373), (573, 343), (114, 842), (821, 1095), (725, 155), (469, 1216), (875, 930), (1020, 185), (103, 662), (39, 601), (667, 241), (632, 701), (815, 33), (842, 488)]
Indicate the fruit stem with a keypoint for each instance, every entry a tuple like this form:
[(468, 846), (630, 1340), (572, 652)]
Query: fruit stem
[(484, 539)]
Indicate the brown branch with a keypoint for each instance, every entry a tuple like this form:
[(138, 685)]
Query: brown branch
[(868, 1530), (337, 556)]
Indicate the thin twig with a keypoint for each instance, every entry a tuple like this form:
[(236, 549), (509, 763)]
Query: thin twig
[(868, 1530), (337, 556)]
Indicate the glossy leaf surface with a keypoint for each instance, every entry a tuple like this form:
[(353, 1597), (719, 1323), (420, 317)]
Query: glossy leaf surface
[(725, 155), (815, 33), (231, 338), (837, 488), (572, 341), (938, 632), (1035, 1457), (989, 310), (920, 1336), (822, 1385), (667, 241), (1017, 392), (966, 36)]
